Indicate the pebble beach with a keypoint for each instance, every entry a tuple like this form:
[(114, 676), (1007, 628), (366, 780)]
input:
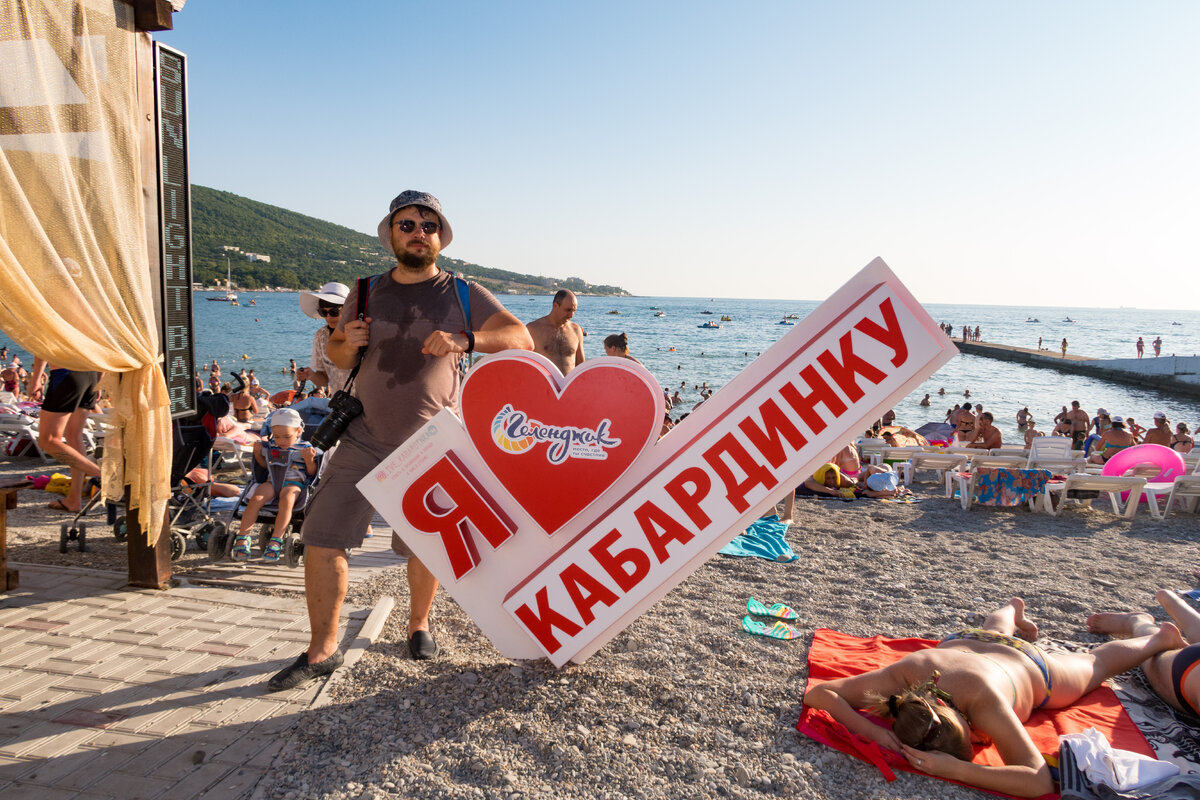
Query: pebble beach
[(683, 703)]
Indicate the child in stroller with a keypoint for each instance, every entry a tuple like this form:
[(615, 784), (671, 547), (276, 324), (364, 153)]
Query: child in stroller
[(291, 465)]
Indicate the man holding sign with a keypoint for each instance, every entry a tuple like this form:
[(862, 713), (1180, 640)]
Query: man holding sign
[(411, 333)]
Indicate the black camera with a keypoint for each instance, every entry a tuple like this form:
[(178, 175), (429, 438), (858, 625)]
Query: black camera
[(342, 409)]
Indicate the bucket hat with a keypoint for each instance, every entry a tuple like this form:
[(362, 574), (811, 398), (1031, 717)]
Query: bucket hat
[(412, 197), (335, 293)]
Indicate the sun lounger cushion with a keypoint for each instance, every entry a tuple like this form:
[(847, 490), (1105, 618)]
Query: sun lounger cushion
[(995, 486), (839, 655)]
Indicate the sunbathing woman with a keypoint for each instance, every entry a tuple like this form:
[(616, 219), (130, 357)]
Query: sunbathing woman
[(979, 683), (1170, 672)]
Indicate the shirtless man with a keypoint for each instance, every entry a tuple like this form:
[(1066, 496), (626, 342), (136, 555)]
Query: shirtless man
[(1169, 672), (556, 337), (1161, 432), (1079, 425), (987, 435)]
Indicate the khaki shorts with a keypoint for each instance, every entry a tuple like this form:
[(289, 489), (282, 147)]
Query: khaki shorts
[(337, 514)]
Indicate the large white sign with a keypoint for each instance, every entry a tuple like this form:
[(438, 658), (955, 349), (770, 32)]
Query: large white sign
[(555, 519)]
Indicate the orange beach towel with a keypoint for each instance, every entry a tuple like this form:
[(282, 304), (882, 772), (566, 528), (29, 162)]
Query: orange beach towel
[(839, 655)]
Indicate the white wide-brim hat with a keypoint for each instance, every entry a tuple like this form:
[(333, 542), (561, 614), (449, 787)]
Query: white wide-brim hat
[(335, 293), (412, 197)]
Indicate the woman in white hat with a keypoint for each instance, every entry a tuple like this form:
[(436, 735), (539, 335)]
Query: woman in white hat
[(324, 304)]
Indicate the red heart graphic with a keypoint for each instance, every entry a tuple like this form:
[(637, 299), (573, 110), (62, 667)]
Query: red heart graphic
[(559, 443)]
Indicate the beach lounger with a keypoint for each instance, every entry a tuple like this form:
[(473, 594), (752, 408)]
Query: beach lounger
[(1054, 453), (1111, 485), (1185, 487), (1009, 451), (978, 460), (937, 462), (1001, 486)]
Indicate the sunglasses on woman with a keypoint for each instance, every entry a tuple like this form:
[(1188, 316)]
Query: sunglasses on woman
[(328, 310), (408, 226)]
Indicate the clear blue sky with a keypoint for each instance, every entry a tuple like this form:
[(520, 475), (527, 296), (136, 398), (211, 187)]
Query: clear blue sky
[(1018, 152)]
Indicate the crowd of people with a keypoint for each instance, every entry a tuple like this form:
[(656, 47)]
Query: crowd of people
[(404, 367)]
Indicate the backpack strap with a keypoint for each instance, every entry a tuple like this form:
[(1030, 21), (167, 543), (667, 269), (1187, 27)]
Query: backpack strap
[(364, 291)]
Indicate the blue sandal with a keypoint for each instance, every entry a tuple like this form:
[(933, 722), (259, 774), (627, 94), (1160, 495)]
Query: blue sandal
[(241, 547), (274, 550)]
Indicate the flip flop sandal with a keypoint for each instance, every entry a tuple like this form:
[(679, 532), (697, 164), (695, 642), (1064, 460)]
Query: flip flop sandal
[(780, 630), (778, 610), (274, 550), (241, 548)]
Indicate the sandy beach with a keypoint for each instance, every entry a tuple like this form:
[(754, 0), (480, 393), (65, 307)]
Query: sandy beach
[(684, 703)]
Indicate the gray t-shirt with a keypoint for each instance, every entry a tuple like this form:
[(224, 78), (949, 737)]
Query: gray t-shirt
[(400, 387)]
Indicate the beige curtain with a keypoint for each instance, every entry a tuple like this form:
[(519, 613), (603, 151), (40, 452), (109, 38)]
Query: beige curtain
[(75, 286)]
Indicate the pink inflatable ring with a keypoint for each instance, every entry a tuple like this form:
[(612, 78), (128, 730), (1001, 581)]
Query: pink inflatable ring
[(1170, 463)]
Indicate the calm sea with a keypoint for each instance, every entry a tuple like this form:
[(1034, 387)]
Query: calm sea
[(264, 336)]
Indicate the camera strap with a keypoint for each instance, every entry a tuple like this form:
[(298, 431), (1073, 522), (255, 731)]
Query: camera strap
[(360, 312)]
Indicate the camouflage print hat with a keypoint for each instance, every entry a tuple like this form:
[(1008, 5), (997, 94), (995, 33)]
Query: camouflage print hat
[(412, 197)]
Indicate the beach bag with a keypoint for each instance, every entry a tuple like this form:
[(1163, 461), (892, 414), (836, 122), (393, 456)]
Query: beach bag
[(22, 444), (59, 484)]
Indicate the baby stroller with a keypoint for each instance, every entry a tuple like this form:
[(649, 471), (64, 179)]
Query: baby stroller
[(188, 507), (220, 544)]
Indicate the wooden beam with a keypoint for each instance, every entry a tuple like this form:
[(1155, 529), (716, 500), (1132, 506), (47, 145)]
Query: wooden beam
[(149, 564), (152, 15)]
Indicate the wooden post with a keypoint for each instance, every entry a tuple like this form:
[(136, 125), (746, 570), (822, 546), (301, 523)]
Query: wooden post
[(149, 565), (9, 578)]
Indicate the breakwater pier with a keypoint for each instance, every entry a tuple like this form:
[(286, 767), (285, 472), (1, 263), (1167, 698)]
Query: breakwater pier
[(1175, 374)]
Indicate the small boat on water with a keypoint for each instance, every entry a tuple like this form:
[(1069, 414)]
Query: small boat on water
[(709, 324), (614, 311), (660, 313), (706, 312), (1032, 319), (230, 296), (726, 318), (791, 316), (785, 322), (1068, 319)]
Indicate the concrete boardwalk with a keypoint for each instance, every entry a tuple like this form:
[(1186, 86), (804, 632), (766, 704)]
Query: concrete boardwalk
[(112, 692)]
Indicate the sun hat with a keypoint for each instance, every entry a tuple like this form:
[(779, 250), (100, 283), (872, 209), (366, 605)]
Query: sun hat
[(286, 417), (1102, 412), (335, 293), (412, 197), (1118, 420), (1160, 415)]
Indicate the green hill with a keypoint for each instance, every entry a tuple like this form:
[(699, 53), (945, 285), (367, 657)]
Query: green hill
[(307, 252)]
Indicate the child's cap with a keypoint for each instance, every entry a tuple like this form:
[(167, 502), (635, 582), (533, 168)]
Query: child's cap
[(286, 417)]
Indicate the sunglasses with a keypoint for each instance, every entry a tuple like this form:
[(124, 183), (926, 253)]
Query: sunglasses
[(408, 226), (326, 311)]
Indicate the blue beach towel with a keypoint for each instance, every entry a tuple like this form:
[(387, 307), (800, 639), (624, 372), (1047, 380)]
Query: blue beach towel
[(763, 539)]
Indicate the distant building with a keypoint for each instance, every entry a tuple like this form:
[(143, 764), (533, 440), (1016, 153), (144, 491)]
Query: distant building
[(230, 248), (258, 257)]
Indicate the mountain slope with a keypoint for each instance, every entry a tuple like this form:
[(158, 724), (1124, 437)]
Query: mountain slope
[(306, 252)]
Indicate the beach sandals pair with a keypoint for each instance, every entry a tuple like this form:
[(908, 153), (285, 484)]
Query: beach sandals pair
[(778, 627), (241, 549)]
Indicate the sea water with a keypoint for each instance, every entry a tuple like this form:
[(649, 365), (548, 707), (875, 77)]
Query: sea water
[(684, 356)]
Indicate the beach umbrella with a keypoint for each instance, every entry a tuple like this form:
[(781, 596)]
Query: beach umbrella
[(936, 430)]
